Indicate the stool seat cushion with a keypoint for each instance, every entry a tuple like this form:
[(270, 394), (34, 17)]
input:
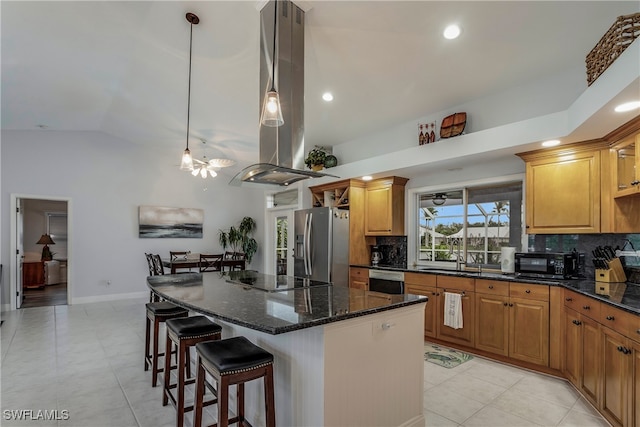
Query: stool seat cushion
[(233, 354), (194, 326), (164, 307)]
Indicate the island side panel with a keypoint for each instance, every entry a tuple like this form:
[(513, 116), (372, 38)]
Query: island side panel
[(374, 369), (298, 376)]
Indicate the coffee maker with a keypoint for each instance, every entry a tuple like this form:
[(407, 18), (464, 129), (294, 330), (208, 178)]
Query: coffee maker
[(376, 255)]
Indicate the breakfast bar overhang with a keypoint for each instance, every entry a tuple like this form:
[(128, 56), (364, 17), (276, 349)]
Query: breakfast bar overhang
[(342, 356)]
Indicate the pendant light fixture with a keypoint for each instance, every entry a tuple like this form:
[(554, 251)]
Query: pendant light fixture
[(187, 160), (271, 112)]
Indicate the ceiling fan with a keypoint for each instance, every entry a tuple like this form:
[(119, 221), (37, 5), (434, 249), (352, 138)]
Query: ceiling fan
[(208, 167)]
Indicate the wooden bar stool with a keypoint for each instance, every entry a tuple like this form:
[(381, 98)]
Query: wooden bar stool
[(185, 333), (158, 312), (233, 361)]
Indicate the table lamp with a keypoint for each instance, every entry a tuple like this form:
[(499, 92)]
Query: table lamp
[(46, 240)]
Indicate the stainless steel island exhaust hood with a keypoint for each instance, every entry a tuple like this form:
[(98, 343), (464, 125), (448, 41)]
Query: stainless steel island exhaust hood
[(281, 148)]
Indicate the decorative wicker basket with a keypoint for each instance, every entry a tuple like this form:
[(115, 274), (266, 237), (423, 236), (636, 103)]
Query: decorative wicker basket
[(621, 34)]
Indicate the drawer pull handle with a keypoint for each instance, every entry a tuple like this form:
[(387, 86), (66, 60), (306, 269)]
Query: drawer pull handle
[(638, 331), (505, 304), (577, 322), (586, 307), (610, 318), (528, 291), (620, 348), (490, 286), (568, 299), (510, 304)]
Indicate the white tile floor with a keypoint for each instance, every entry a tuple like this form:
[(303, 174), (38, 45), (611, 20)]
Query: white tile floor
[(88, 359)]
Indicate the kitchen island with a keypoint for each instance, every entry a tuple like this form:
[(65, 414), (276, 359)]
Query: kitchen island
[(342, 356)]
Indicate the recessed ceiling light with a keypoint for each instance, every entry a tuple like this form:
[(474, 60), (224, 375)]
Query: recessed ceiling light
[(627, 106), (451, 32), (327, 96), (551, 143), (367, 178)]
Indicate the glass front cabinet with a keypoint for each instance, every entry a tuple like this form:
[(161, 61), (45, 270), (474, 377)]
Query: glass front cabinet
[(626, 166)]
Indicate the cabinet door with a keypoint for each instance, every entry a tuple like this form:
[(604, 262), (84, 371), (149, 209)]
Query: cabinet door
[(563, 194), (591, 359), (616, 372), (492, 323), (529, 330), (464, 335), (429, 309), (359, 278), (572, 363), (378, 211), (625, 169)]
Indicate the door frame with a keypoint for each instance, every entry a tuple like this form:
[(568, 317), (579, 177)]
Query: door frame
[(272, 216), (14, 268)]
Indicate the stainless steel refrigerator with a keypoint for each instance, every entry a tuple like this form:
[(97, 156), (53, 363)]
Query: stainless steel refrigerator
[(321, 250)]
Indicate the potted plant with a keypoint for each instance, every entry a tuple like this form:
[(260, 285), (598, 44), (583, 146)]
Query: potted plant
[(315, 159), (239, 239)]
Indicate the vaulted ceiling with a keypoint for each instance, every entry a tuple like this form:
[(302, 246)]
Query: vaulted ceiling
[(121, 67)]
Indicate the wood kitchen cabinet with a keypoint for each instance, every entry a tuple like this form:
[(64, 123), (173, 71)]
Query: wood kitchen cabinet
[(32, 274), (625, 167), (563, 189), (582, 359), (359, 278), (424, 284), (512, 319), (384, 207), (466, 287)]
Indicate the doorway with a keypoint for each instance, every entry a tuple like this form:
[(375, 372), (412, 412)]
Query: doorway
[(280, 256), (40, 231)]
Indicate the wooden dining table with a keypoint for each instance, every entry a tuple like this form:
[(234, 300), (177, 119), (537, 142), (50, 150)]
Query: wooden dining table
[(195, 263)]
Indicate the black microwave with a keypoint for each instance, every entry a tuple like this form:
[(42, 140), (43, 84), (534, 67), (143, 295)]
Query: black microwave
[(548, 265)]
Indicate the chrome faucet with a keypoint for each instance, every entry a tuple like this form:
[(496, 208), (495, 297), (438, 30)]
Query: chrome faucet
[(459, 261)]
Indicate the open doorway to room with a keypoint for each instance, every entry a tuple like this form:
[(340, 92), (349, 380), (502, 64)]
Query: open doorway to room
[(40, 271)]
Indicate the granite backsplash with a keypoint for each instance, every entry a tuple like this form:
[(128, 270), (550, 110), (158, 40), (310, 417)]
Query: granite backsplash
[(586, 243), (393, 250)]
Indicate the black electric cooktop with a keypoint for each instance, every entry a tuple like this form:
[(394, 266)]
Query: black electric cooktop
[(271, 283)]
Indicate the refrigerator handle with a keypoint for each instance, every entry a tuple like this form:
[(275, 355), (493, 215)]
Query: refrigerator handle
[(307, 246)]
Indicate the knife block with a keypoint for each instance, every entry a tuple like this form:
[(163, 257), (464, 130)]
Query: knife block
[(615, 272)]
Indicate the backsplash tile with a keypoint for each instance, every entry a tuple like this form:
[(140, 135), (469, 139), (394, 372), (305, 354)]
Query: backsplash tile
[(586, 243), (393, 250)]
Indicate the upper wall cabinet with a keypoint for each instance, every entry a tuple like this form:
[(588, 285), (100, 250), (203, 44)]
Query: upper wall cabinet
[(625, 167), (384, 207), (563, 189)]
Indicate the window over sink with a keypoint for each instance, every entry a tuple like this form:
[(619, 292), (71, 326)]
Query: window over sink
[(467, 226)]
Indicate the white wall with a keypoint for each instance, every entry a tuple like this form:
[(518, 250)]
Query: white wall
[(107, 179)]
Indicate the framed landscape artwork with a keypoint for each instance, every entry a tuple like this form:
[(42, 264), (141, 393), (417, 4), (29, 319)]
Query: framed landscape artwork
[(164, 222)]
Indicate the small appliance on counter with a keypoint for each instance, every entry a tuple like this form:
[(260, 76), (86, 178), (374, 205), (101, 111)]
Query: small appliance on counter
[(508, 259), (376, 256), (549, 265)]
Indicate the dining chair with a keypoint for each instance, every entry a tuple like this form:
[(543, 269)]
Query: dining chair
[(155, 269), (210, 262), (150, 264), (180, 256), (158, 269)]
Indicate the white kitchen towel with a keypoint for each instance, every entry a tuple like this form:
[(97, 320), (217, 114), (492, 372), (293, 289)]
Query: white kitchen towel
[(453, 310)]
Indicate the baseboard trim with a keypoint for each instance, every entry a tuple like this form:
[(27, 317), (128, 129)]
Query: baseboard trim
[(112, 297)]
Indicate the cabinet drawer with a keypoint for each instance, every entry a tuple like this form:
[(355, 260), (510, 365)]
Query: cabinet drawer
[(359, 273), (614, 318), (529, 291), (420, 279), (492, 287), (459, 283), (633, 327), (582, 304)]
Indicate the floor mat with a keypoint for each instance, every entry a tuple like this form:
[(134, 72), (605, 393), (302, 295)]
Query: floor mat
[(444, 356)]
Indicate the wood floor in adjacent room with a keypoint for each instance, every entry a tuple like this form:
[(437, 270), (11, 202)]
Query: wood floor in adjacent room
[(47, 295)]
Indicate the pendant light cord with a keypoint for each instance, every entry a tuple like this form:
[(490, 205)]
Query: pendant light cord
[(273, 59), (189, 90)]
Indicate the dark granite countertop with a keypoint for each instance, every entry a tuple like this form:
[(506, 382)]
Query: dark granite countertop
[(268, 309), (625, 296)]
